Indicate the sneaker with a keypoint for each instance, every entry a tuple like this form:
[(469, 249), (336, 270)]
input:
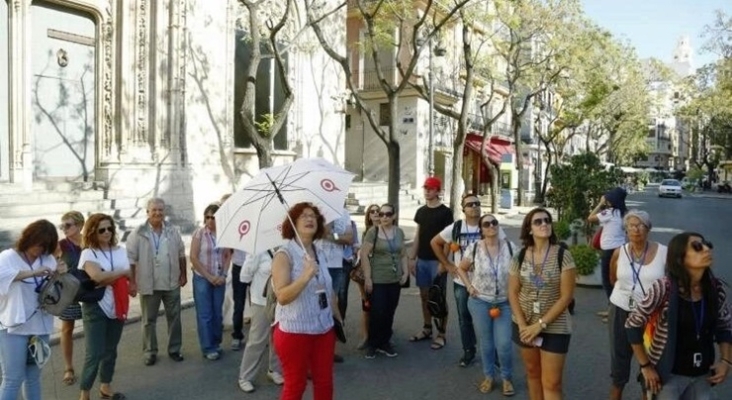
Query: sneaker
[(508, 389), (387, 350), (276, 378), (370, 353), (246, 386), (467, 359), (213, 356), (236, 344), (486, 386)]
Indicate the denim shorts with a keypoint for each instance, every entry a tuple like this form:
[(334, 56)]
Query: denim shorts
[(426, 272)]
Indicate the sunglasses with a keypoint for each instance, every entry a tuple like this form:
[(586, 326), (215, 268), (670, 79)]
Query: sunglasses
[(472, 204), (541, 221), (109, 229), (698, 246), (207, 217), (489, 224), (66, 225), (374, 211), (386, 214)]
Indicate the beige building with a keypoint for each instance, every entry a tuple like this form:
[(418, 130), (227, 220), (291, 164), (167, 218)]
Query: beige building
[(140, 97)]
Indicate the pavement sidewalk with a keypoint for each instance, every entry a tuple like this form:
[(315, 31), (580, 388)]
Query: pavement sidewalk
[(405, 222)]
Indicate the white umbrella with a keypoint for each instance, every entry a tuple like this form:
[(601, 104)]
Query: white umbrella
[(251, 219)]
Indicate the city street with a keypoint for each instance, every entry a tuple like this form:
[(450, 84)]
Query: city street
[(418, 372)]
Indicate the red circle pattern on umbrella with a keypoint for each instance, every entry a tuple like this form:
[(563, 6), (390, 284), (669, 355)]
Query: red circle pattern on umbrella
[(328, 185), (244, 228)]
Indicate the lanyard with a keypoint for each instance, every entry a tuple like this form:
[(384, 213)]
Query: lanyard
[(468, 236), (25, 259), (391, 249), (156, 240), (110, 258), (493, 265), (214, 249), (636, 272), (539, 278), (698, 323)]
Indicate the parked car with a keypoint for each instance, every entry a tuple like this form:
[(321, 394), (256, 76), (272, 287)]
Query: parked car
[(669, 188)]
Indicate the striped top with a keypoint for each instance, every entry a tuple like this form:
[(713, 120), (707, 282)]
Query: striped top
[(540, 281), (304, 315), (211, 257)]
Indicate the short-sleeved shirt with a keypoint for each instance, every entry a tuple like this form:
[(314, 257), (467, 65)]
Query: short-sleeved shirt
[(114, 260), (331, 253), (431, 221), (542, 285), (19, 312), (210, 255), (468, 235), (613, 232), (386, 256)]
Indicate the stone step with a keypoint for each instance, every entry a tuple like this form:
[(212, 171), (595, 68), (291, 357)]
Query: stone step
[(56, 208)]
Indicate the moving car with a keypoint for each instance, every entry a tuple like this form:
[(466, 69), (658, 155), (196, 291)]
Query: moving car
[(669, 188)]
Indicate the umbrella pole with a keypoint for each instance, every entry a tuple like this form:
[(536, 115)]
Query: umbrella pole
[(287, 212)]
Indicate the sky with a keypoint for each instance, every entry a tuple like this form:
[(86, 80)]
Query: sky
[(653, 27)]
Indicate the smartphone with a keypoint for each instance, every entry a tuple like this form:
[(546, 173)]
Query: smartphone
[(538, 341)]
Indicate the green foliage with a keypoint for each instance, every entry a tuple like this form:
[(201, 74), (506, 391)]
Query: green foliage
[(563, 229), (578, 184), (585, 258)]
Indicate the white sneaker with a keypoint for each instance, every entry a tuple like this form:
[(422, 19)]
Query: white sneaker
[(276, 378), (246, 386), (236, 344)]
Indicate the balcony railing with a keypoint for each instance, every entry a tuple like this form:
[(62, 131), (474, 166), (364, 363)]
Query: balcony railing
[(370, 79)]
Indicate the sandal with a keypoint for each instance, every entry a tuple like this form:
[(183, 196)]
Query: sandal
[(113, 396), (425, 334), (438, 343), (69, 377)]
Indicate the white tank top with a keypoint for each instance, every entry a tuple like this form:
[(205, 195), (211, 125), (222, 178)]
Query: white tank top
[(634, 281)]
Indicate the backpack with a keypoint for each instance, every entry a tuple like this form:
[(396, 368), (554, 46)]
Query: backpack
[(560, 256), (436, 302)]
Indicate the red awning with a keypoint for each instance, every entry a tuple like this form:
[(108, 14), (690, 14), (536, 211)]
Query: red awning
[(494, 149)]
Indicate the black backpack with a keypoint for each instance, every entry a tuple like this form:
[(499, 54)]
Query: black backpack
[(560, 256), (436, 302)]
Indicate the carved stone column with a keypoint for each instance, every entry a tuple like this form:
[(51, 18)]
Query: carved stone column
[(142, 38), (21, 155), (109, 142)]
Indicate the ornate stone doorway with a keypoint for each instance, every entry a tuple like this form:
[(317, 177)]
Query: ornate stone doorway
[(4, 94), (63, 85)]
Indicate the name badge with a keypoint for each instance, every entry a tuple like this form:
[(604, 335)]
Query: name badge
[(537, 307), (697, 360), (631, 304)]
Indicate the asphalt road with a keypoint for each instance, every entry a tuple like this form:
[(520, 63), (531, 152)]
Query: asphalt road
[(418, 372)]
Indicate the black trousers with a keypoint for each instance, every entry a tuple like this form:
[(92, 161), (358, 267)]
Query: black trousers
[(384, 302)]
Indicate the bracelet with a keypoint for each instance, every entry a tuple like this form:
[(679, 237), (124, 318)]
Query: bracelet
[(646, 365), (726, 361)]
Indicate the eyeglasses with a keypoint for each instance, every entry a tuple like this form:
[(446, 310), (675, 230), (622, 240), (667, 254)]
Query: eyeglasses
[(109, 229), (374, 211), (541, 221), (207, 217), (472, 204), (386, 214), (66, 225), (698, 246), (489, 224), (635, 227)]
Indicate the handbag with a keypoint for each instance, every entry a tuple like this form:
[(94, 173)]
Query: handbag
[(57, 292), (356, 273), (596, 239), (88, 291), (339, 332)]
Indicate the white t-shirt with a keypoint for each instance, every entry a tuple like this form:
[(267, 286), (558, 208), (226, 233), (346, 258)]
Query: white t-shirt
[(468, 235), (115, 260), (648, 273), (613, 232), (19, 312)]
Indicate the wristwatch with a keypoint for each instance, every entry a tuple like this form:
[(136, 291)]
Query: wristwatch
[(335, 236), (542, 324)]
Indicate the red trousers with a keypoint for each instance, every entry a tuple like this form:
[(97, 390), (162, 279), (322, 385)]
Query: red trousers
[(300, 353)]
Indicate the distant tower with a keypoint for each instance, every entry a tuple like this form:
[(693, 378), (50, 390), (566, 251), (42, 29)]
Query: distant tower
[(683, 62)]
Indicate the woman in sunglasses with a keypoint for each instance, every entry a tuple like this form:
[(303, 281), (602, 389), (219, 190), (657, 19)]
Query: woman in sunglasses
[(484, 271), (210, 267), (107, 264), (673, 328), (371, 219), (633, 269), (69, 250), (539, 291), (22, 270), (385, 270)]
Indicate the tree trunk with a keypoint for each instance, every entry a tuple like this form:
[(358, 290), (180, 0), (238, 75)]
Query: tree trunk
[(494, 188), (545, 183), (457, 177), (516, 123), (264, 153), (394, 152)]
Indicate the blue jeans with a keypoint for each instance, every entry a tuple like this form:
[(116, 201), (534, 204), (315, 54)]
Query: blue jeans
[(465, 320), (209, 301), (16, 372), (495, 337)]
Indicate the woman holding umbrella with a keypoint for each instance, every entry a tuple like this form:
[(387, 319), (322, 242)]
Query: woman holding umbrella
[(303, 330)]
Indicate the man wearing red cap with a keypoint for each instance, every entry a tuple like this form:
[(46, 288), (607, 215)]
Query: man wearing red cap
[(431, 218)]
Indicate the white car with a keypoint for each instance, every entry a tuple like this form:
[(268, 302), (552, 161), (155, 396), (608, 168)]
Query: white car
[(669, 188)]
